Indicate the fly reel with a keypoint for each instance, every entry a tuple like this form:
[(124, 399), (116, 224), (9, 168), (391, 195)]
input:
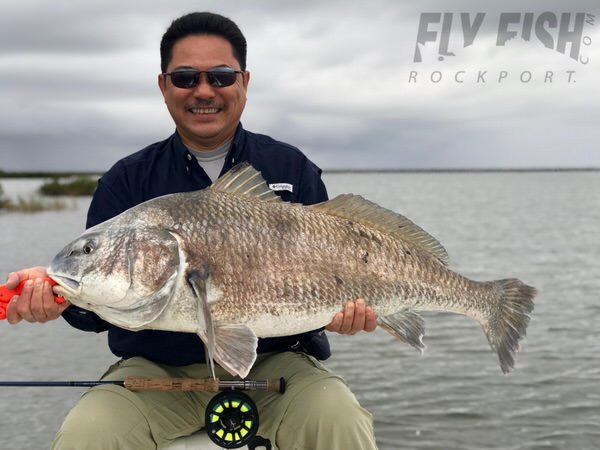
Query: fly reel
[(231, 419)]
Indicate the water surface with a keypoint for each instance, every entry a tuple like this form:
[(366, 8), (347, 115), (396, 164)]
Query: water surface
[(540, 227)]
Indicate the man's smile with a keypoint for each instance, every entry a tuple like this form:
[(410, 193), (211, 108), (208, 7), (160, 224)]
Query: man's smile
[(204, 110)]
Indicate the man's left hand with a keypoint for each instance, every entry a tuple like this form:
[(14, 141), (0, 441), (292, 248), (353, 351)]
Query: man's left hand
[(356, 317)]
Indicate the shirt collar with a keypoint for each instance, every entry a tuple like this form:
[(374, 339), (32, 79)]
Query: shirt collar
[(235, 152)]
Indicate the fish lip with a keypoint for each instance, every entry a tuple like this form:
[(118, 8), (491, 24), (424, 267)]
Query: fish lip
[(70, 285)]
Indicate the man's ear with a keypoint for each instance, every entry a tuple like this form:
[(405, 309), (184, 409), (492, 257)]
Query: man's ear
[(162, 83), (246, 79)]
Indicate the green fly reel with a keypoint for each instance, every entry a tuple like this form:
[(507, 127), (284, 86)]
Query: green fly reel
[(231, 419)]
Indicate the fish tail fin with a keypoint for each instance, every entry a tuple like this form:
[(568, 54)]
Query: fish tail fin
[(507, 325)]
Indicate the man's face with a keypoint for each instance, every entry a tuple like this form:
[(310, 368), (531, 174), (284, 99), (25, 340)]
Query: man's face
[(206, 116)]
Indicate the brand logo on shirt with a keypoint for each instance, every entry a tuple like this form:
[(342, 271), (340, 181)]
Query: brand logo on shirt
[(281, 187)]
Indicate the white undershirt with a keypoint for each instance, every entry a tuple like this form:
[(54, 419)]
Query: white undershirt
[(212, 161)]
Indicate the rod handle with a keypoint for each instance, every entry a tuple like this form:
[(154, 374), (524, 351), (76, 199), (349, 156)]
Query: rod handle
[(202, 384), (171, 384)]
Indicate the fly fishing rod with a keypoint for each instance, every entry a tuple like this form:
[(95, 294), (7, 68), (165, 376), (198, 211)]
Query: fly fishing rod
[(165, 384), (230, 418)]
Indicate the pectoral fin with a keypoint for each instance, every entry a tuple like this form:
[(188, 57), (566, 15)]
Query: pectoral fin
[(235, 348), (200, 281), (408, 326)]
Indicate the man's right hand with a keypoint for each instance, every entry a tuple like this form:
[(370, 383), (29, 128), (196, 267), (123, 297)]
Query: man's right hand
[(36, 302)]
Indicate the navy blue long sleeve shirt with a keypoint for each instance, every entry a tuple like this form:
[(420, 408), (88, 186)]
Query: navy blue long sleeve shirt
[(168, 167)]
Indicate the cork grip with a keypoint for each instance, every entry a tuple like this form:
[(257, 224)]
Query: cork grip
[(202, 384)]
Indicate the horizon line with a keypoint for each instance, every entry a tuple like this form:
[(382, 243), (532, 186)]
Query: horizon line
[(41, 174)]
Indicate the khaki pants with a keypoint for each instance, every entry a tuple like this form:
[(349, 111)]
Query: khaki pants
[(317, 411)]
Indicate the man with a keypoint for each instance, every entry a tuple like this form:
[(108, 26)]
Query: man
[(204, 82)]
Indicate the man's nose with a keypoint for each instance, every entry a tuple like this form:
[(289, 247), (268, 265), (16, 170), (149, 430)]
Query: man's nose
[(204, 88)]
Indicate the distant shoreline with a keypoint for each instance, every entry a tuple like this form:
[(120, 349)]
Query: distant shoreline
[(48, 174), (466, 170), (8, 175)]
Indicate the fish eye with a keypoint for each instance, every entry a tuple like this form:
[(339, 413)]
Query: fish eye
[(88, 248)]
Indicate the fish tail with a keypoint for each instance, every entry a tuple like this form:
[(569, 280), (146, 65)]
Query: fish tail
[(507, 325)]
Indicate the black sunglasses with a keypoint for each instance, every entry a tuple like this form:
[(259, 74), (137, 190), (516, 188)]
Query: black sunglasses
[(190, 78)]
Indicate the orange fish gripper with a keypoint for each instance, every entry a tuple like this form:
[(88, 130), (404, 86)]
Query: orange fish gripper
[(7, 294)]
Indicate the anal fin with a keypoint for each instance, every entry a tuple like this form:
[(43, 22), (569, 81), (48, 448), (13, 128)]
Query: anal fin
[(406, 325)]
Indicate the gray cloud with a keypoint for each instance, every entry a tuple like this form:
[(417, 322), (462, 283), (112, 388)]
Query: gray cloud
[(78, 85)]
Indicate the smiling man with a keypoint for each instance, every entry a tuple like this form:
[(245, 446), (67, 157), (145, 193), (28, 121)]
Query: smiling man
[(204, 82), (205, 90)]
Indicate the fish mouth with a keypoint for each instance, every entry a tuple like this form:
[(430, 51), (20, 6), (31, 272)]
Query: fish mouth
[(67, 285)]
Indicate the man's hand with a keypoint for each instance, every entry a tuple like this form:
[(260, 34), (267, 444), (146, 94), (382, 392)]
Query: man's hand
[(355, 317), (36, 302)]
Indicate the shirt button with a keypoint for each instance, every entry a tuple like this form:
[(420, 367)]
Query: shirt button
[(189, 157)]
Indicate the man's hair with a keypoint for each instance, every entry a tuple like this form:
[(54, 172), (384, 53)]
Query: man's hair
[(202, 23)]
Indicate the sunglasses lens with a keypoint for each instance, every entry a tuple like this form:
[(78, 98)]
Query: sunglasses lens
[(185, 79), (221, 77)]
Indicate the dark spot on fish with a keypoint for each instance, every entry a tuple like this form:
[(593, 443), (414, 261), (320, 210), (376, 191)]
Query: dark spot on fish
[(366, 234), (408, 252), (337, 279), (285, 227), (350, 223), (365, 257)]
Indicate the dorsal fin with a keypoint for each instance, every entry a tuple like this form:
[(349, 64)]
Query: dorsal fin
[(358, 209), (246, 181)]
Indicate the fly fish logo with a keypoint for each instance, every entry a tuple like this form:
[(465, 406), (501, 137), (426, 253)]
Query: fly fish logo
[(564, 33)]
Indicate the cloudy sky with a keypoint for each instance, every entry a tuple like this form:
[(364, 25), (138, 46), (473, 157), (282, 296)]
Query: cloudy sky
[(337, 79)]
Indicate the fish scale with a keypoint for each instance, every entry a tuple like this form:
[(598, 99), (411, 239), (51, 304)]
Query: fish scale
[(233, 262)]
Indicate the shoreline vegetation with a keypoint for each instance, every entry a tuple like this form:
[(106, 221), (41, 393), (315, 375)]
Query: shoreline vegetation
[(72, 186), (84, 183), (41, 174)]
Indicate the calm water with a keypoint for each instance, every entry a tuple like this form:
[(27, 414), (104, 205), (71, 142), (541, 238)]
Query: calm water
[(541, 227)]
